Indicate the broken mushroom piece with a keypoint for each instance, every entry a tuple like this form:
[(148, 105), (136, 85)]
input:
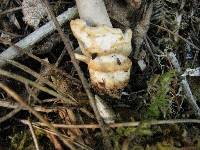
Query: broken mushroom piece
[(106, 51)]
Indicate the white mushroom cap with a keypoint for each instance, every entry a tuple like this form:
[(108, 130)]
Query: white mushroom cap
[(106, 81)]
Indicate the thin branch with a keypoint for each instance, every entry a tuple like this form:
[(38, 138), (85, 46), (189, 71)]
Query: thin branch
[(187, 91), (60, 58), (11, 34), (118, 125), (69, 48), (10, 10), (36, 85), (177, 35), (10, 114), (36, 75), (43, 62), (34, 136), (151, 52), (64, 136), (12, 105), (190, 96)]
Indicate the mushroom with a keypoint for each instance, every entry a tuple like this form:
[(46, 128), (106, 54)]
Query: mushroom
[(106, 51)]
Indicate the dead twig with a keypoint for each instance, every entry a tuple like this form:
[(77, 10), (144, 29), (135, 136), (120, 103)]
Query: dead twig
[(34, 136), (60, 58), (188, 93), (151, 52), (36, 75), (141, 30), (10, 114), (118, 125), (12, 105), (37, 35), (54, 140), (64, 136), (11, 34), (10, 10), (43, 62), (69, 48), (36, 85), (177, 35)]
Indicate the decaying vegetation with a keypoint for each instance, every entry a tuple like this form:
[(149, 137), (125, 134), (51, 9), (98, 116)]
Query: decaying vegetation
[(46, 97)]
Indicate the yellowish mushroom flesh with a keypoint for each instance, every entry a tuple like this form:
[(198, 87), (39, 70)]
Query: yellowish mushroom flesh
[(106, 51)]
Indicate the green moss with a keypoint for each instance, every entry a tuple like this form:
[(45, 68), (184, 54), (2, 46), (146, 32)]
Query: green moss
[(159, 95), (21, 141), (122, 132)]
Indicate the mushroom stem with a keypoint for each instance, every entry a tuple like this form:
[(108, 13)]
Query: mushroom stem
[(93, 12)]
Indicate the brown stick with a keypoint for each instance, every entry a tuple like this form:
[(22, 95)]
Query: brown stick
[(69, 49), (10, 114), (11, 105), (10, 10), (34, 136), (118, 125)]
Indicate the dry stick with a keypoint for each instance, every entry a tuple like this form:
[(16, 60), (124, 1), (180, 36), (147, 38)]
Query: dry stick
[(151, 52), (10, 10), (118, 125), (192, 101), (11, 105), (175, 34), (11, 34), (153, 47), (6, 103), (141, 30), (37, 35), (69, 49), (60, 57), (23, 103), (36, 85), (10, 114), (36, 75), (55, 141), (34, 136), (52, 132)]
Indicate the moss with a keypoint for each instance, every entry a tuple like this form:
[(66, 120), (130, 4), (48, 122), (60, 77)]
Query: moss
[(158, 90)]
